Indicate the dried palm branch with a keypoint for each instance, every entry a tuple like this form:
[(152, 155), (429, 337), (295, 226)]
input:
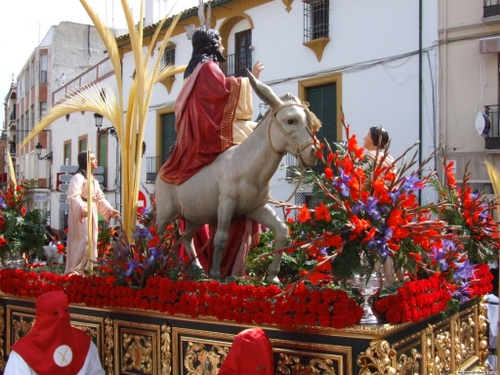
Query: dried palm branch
[(495, 180), (128, 119), (11, 169)]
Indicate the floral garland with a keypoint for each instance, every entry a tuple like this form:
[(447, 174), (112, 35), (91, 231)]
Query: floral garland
[(327, 308), (419, 299), (249, 305)]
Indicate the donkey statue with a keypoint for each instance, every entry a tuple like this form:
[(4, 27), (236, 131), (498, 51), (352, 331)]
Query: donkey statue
[(238, 181)]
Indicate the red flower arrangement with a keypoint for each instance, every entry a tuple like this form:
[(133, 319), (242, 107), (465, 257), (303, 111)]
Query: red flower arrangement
[(22, 227), (249, 305), (415, 300)]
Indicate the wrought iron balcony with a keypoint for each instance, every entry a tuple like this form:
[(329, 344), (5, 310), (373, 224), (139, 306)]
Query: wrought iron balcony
[(153, 165), (237, 64), (492, 137), (491, 8)]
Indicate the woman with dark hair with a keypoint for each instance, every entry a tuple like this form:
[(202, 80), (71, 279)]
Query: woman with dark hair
[(376, 143), (77, 250), (212, 113)]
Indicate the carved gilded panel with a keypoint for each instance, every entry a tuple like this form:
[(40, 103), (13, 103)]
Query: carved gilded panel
[(19, 323), (141, 348), (202, 353)]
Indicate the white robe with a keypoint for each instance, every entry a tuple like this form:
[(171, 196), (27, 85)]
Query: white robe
[(77, 255), (92, 365)]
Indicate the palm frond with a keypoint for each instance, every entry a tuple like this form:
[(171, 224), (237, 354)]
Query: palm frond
[(11, 168), (494, 177), (109, 41), (89, 99)]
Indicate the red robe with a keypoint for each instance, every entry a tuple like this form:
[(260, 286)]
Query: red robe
[(204, 115)]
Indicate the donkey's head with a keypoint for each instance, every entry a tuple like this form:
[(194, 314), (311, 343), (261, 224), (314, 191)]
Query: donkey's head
[(292, 126)]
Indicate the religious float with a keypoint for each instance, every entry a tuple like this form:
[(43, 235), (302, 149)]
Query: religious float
[(136, 341), (375, 283), (149, 313)]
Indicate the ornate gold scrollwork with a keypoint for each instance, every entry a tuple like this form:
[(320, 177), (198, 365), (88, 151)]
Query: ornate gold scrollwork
[(201, 360), (89, 330), (464, 341), (409, 365), (441, 356), (166, 350), (289, 364), (21, 328), (379, 358), (108, 346), (138, 353), (483, 332), (2, 335)]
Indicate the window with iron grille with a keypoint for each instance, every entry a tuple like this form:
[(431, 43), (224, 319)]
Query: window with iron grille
[(316, 19), (168, 137), (243, 55), (236, 64), (168, 57)]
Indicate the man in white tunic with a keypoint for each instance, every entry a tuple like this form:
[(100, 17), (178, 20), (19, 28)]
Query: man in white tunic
[(77, 250)]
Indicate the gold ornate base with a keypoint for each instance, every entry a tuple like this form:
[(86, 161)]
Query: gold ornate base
[(137, 342)]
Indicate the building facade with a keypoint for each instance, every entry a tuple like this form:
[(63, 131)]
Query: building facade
[(469, 46), (377, 66)]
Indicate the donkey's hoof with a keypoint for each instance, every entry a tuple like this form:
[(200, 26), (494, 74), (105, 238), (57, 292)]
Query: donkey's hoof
[(273, 279), (215, 275)]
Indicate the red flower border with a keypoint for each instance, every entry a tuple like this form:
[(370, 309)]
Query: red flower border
[(243, 304), (327, 308)]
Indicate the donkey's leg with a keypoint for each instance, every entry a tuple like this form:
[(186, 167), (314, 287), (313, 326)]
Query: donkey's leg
[(187, 241), (266, 216), (225, 215), (167, 205)]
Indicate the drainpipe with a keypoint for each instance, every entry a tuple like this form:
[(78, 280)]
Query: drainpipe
[(420, 109)]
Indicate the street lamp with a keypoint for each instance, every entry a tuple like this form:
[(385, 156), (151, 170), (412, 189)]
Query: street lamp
[(98, 124), (39, 153)]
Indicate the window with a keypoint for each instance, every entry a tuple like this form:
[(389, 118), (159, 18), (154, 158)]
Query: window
[(168, 57), (168, 135), (102, 156), (236, 64), (324, 97), (32, 117), (82, 144), (166, 140), (43, 68), (316, 19), (243, 53), (32, 73), (42, 109), (67, 153), (322, 101)]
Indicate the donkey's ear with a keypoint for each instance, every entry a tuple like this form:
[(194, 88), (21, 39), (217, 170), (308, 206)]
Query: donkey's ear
[(264, 92)]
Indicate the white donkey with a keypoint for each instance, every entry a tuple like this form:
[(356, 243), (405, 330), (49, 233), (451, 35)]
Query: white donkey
[(238, 181)]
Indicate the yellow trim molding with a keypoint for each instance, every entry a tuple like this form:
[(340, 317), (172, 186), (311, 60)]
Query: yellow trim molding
[(317, 46), (288, 4)]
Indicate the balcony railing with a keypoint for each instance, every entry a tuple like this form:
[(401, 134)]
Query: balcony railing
[(492, 138), (237, 64), (153, 164), (491, 8)]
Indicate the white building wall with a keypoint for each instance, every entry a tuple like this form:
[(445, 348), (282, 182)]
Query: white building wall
[(368, 46)]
